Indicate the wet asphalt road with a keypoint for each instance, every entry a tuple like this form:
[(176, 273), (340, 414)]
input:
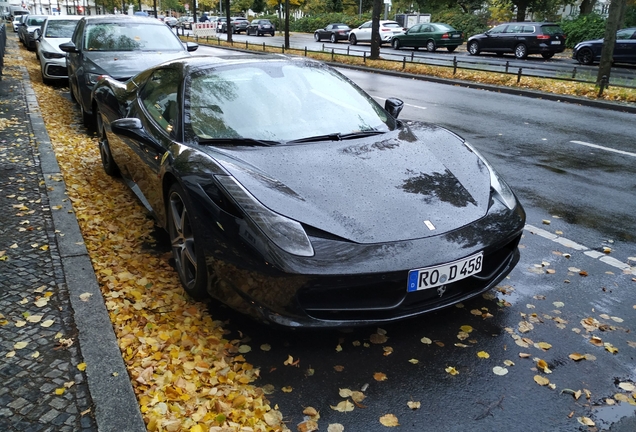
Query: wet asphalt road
[(585, 196)]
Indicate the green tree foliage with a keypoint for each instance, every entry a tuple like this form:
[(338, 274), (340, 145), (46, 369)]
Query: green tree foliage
[(583, 27), (258, 6), (309, 23), (468, 23)]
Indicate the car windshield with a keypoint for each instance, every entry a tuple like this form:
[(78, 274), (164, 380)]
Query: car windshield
[(392, 25), (551, 29), (60, 28), (280, 101), (130, 37), (36, 21), (444, 27), (625, 34)]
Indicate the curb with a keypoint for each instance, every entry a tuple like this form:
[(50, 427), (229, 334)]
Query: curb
[(115, 405)]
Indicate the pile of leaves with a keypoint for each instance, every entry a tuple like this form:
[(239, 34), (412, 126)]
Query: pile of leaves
[(186, 374)]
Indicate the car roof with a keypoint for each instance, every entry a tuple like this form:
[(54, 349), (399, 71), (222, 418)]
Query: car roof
[(121, 18), (64, 17)]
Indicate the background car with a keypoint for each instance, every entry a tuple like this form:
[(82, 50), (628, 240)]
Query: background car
[(333, 32), (237, 25), (117, 45), (521, 39), (27, 27), (260, 27), (56, 30), (170, 21), (18, 17), (334, 214), (388, 29), (589, 52), (430, 36), (185, 22)]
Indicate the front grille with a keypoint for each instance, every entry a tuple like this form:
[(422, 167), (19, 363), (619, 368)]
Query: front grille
[(57, 71), (384, 297)]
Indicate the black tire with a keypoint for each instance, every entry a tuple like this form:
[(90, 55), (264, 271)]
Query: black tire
[(430, 46), (189, 259), (521, 51), (473, 48), (333, 38), (316, 37), (272, 33), (353, 39), (451, 48), (547, 55), (585, 56), (395, 43), (87, 119), (110, 167), (70, 88)]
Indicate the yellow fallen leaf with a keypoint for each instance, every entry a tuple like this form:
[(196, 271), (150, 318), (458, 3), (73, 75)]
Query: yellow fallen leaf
[(426, 341), (20, 323), (542, 381), (543, 345), (266, 347), (413, 405), (627, 386), (243, 349), (389, 420), (543, 366), (576, 356), (36, 354), (10, 354), (498, 370), (610, 348), (85, 296), (414, 361), (586, 421), (290, 360), (451, 370), (34, 318), (483, 354), (466, 328), (344, 406), (59, 391), (379, 376), (81, 367), (287, 389), (20, 345), (335, 427)]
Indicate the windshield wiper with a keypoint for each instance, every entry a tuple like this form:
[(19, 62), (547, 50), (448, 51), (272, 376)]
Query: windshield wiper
[(238, 141), (337, 136)]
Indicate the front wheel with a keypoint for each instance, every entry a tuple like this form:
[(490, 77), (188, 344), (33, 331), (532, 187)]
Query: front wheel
[(585, 56), (110, 166), (353, 39), (521, 51), (395, 43), (430, 46), (473, 48), (189, 258)]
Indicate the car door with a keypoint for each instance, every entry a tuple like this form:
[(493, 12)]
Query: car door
[(410, 37), (625, 49), (158, 107), (364, 33), (73, 59), (512, 35), (493, 38)]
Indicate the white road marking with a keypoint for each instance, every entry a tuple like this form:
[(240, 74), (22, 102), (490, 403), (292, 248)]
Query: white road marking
[(413, 106), (579, 247), (583, 143)]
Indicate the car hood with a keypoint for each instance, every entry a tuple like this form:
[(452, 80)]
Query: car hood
[(122, 65), (403, 185), (53, 44)]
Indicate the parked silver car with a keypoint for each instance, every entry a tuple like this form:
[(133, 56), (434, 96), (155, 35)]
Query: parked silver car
[(57, 29), (27, 27)]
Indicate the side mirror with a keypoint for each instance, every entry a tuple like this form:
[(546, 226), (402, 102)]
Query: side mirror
[(191, 46), (132, 128), (37, 34), (69, 47), (394, 106)]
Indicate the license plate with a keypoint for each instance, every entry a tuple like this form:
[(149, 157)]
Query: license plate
[(455, 36), (433, 277), (556, 42)]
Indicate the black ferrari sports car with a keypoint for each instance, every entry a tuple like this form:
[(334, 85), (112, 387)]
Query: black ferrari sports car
[(301, 215)]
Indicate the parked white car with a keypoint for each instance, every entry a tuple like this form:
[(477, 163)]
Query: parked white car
[(57, 29), (388, 29), (18, 16)]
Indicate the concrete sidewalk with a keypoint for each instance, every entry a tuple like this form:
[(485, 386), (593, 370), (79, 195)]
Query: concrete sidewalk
[(47, 333)]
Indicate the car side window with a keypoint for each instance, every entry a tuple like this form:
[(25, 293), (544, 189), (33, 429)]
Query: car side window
[(159, 97), (415, 29), (498, 29), (514, 29), (625, 34), (528, 29), (366, 25)]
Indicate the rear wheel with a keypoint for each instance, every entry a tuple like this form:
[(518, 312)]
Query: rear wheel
[(189, 258), (547, 55), (395, 43), (353, 39), (585, 56), (430, 46), (521, 51), (333, 38), (473, 48), (316, 37), (110, 167)]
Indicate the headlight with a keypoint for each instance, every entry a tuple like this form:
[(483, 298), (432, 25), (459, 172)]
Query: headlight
[(501, 190), (287, 234), (92, 78), (52, 55)]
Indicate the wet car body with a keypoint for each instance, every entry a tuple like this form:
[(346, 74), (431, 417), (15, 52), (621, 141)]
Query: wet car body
[(119, 46), (521, 39), (27, 29), (362, 233), (589, 52)]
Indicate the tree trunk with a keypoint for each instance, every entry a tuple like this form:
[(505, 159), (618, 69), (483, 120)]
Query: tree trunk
[(521, 12), (228, 27), (607, 54), (621, 17), (286, 24), (586, 7), (375, 30)]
